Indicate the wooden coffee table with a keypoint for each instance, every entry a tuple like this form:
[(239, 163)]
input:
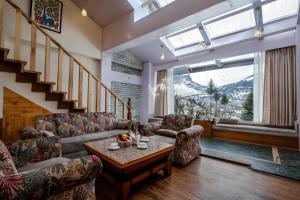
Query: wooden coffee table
[(130, 165)]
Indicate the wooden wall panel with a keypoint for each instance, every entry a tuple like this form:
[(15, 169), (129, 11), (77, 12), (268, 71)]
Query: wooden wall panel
[(207, 125), (17, 113), (272, 140)]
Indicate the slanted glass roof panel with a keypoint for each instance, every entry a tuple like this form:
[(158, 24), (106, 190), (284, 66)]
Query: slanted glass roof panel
[(231, 24), (164, 2), (279, 9), (187, 38), (150, 8), (211, 62), (235, 58)]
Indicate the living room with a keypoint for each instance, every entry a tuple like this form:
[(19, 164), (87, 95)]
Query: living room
[(149, 99)]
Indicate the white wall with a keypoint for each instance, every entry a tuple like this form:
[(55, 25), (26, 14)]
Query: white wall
[(79, 35), (148, 91)]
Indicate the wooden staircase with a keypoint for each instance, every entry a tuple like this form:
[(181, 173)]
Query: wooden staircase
[(40, 82), (33, 77)]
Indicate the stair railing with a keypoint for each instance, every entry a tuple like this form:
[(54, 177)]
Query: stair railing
[(61, 53)]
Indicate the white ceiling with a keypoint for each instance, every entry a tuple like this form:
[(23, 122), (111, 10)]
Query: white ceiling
[(151, 52)]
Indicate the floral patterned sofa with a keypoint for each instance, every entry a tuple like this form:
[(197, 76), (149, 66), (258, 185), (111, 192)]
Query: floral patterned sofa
[(178, 130), (75, 129), (33, 169)]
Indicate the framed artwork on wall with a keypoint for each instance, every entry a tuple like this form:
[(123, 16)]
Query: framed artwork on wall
[(47, 14)]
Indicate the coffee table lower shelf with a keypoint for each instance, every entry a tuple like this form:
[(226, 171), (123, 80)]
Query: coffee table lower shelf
[(116, 185)]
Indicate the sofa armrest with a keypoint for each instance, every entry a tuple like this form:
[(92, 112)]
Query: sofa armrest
[(193, 131), (30, 132), (35, 150), (50, 181), (149, 129)]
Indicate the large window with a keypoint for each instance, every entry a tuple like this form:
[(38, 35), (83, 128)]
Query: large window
[(223, 90)]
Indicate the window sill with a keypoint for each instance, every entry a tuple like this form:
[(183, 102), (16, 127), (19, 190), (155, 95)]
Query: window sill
[(257, 129)]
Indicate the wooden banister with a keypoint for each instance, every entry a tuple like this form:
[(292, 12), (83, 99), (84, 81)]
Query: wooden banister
[(80, 79), (59, 69), (33, 48), (71, 78), (47, 59), (17, 53), (129, 115), (62, 52)]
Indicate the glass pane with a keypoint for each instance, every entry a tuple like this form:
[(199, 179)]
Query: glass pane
[(211, 62), (279, 9), (241, 57), (186, 38), (164, 2), (150, 8), (231, 24)]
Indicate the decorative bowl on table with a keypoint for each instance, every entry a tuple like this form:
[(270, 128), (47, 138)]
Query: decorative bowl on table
[(124, 140)]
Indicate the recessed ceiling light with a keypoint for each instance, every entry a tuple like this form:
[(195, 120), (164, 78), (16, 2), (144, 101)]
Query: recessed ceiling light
[(83, 12)]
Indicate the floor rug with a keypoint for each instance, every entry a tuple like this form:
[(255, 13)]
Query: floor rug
[(274, 160)]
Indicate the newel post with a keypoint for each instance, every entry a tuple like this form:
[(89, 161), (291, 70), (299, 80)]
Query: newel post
[(129, 106)]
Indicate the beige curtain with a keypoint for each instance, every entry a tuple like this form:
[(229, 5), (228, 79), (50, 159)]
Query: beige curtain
[(279, 106), (161, 94)]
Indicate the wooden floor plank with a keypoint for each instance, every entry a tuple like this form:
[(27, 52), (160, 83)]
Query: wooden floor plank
[(210, 179)]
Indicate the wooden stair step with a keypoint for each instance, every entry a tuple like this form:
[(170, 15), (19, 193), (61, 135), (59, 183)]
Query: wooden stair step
[(28, 77), (42, 86), (77, 110), (55, 96), (66, 104)]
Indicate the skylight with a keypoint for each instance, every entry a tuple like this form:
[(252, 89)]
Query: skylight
[(238, 22), (142, 8), (187, 38), (279, 9)]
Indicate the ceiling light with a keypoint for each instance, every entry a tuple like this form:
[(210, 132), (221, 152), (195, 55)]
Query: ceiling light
[(162, 55), (258, 32), (83, 12)]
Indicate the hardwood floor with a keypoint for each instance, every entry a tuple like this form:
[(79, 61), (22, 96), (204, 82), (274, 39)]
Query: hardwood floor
[(210, 179)]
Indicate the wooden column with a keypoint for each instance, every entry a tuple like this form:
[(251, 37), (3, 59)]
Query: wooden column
[(129, 115), (18, 30), (71, 78), (47, 59), (33, 48)]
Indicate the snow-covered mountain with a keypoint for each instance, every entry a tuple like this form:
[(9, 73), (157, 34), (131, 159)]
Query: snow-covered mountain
[(236, 92)]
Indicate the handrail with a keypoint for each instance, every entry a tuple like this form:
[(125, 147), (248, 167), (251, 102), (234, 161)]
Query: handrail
[(61, 51), (60, 46)]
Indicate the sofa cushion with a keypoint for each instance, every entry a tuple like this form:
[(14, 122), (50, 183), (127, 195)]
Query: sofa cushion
[(176, 122), (45, 163), (75, 144), (28, 132), (123, 124), (163, 139), (7, 166), (45, 123), (167, 133), (105, 121)]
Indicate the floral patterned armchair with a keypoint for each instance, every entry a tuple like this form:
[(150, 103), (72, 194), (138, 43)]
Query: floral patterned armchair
[(33, 169), (178, 130)]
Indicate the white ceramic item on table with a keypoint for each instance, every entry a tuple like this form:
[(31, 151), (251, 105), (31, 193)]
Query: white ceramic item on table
[(145, 139), (142, 145)]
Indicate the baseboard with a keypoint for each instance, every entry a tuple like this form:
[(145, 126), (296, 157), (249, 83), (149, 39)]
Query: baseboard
[(271, 140)]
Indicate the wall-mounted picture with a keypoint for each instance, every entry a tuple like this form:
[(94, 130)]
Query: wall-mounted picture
[(47, 14)]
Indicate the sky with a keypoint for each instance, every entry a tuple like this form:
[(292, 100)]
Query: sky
[(223, 76)]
